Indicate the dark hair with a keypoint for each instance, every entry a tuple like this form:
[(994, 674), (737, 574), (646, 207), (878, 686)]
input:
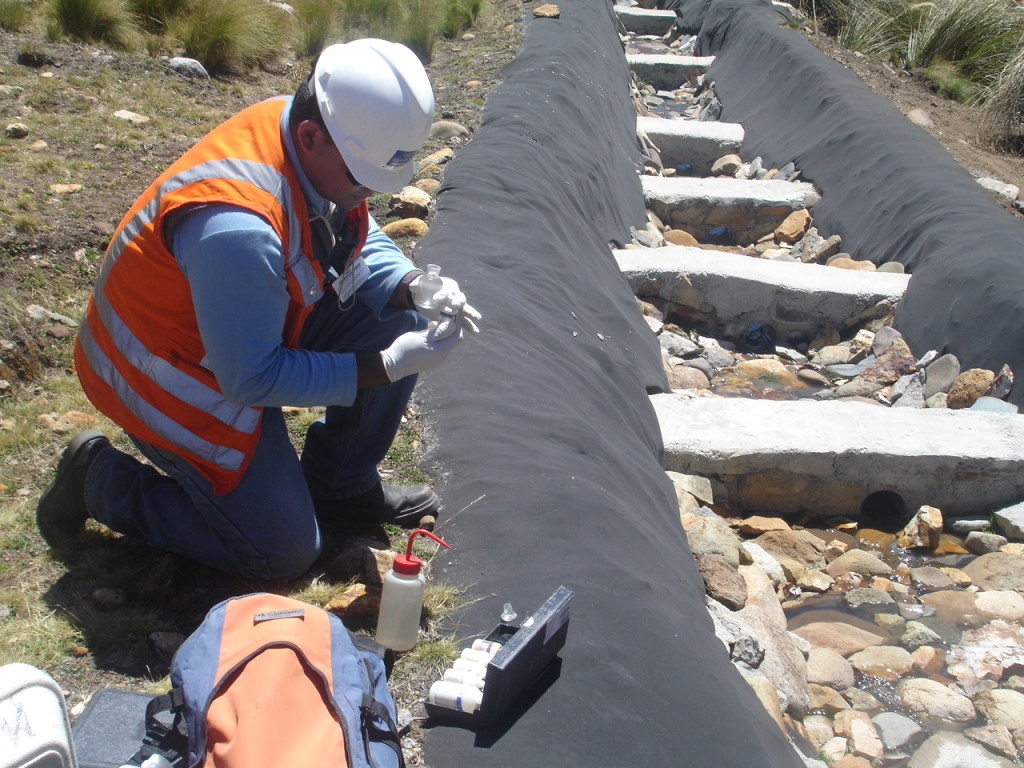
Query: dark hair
[(305, 107)]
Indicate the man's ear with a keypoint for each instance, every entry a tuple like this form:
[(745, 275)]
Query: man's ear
[(307, 134)]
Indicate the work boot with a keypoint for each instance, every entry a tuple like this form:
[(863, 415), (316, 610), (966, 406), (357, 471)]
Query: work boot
[(61, 512), (402, 505)]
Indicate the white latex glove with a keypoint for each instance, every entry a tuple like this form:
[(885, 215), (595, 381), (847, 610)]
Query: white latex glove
[(448, 295), (418, 351)]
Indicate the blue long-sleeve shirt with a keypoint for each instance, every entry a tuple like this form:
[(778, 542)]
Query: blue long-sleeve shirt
[(234, 262)]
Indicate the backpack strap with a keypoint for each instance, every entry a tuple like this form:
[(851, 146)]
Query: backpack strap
[(165, 730), (369, 709)]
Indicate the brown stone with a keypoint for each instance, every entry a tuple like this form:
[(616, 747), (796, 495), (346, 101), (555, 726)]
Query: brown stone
[(722, 581), (842, 262), (793, 227), (405, 228), (684, 377), (440, 157), (547, 11), (430, 186), (680, 237), (357, 601), (968, 387), (410, 203), (755, 525)]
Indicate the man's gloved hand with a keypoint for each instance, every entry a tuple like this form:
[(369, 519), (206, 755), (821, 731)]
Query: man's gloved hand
[(448, 295), (418, 351)]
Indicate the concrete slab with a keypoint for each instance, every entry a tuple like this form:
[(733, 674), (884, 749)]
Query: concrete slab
[(666, 72), (827, 458), (697, 142), (643, 21), (727, 292), (750, 208)]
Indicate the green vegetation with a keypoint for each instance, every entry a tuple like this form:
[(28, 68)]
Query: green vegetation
[(14, 15), (972, 50), (235, 36)]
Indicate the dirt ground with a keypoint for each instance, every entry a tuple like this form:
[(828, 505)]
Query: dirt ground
[(955, 125)]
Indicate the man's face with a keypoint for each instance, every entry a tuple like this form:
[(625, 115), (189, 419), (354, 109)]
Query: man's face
[(326, 169)]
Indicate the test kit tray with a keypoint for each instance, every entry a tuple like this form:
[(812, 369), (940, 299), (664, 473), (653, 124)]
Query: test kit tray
[(526, 652)]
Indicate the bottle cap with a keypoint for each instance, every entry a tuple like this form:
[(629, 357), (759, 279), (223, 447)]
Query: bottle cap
[(408, 564)]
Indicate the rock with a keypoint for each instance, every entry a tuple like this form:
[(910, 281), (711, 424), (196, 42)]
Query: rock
[(16, 131), (680, 237), (826, 667), (825, 699), (956, 606), (448, 129), (65, 189), (783, 662), (923, 530), (940, 375), (860, 733), (859, 561), (763, 560), (867, 602), (547, 11), (819, 729), (997, 571), (357, 601), (863, 701), (166, 643), (928, 661), (755, 525), (897, 731), (131, 117), (917, 634), (948, 749), (713, 536), (70, 423), (982, 656), (721, 581), (993, 405), (430, 186), (968, 387), (1003, 383), (1002, 707), (892, 267), (814, 580), (996, 737), (405, 228), (920, 117), (793, 227), (697, 486), (982, 543), (1008, 193), (801, 546), (845, 639), (410, 203), (726, 165), (843, 262), (188, 68), (681, 377), (1010, 521), (109, 597), (440, 157), (884, 662), (933, 704), (768, 695)]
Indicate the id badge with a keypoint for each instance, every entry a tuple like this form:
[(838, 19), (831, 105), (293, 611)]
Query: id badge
[(355, 275)]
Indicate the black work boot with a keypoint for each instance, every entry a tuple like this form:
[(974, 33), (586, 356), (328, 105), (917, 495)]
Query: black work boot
[(61, 512), (402, 505)]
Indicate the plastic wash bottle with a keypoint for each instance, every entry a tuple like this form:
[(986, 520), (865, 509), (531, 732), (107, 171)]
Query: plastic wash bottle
[(401, 601)]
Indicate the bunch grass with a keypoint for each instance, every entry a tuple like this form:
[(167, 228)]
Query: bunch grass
[(231, 36), (103, 21)]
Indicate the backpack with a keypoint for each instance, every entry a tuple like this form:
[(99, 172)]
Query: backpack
[(267, 681)]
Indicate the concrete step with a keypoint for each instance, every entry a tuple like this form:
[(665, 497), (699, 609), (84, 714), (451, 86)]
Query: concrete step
[(750, 208), (725, 293), (643, 21), (699, 143), (844, 458), (667, 72)]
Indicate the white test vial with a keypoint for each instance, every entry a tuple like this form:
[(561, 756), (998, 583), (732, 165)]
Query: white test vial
[(473, 667), (464, 698), (480, 657), (463, 678), (490, 647)]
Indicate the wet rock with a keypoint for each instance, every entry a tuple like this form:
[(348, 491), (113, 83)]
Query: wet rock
[(948, 749), (975, 608), (928, 578), (1002, 707), (861, 562), (860, 732), (982, 657), (802, 546), (866, 602), (885, 662), (928, 660), (997, 571), (917, 634), (923, 530), (996, 737), (897, 731), (845, 639), (933, 704), (826, 667)]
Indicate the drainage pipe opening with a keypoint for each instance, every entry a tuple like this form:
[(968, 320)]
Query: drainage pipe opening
[(885, 511)]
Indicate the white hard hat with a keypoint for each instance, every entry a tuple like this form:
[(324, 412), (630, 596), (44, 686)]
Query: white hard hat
[(378, 105)]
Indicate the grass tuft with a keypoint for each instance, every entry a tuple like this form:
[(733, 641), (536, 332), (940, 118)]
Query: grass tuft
[(103, 21), (1003, 118), (14, 15), (316, 22), (231, 36), (155, 15)]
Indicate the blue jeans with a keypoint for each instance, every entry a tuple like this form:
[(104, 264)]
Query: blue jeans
[(266, 527)]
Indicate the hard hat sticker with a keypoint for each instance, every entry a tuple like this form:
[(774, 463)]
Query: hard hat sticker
[(401, 157)]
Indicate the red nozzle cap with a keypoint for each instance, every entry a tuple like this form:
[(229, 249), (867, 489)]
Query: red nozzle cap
[(408, 564)]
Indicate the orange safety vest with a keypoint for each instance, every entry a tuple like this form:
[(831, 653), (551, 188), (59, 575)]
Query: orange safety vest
[(139, 354)]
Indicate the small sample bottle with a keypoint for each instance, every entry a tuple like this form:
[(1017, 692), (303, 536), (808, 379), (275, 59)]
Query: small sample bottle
[(427, 288), (488, 646), (480, 657), (464, 698), (472, 667), (401, 600), (463, 678)]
